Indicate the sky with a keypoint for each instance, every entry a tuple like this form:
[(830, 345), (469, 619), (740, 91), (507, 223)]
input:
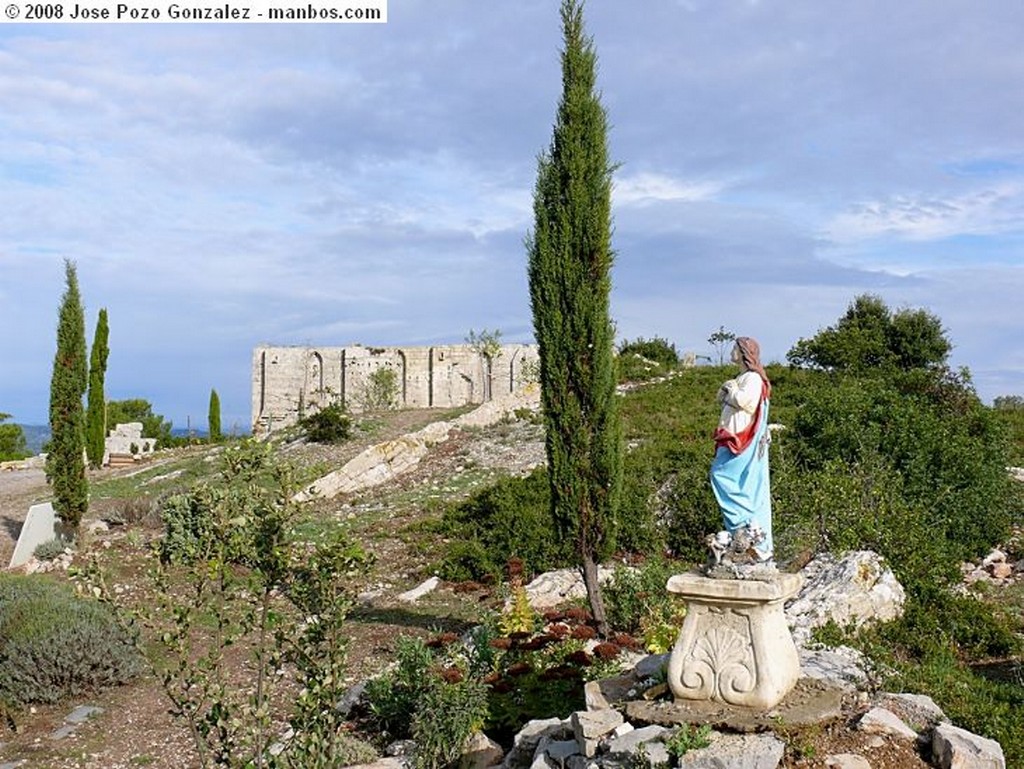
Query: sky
[(223, 186)]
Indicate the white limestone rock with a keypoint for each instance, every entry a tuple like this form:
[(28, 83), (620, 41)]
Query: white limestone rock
[(525, 743), (589, 726), (651, 665), (629, 744), (854, 590), (554, 588), (411, 596), (480, 752), (956, 748), (499, 408), (847, 761), (737, 751), (559, 750), (885, 722), (842, 665), (919, 711)]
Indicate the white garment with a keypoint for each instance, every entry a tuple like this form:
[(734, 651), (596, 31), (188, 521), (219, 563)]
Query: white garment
[(739, 398)]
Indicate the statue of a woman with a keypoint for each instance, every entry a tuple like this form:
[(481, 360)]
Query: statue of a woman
[(739, 472)]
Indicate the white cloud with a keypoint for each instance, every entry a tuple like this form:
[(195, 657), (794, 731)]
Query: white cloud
[(925, 217), (220, 187), (644, 188)]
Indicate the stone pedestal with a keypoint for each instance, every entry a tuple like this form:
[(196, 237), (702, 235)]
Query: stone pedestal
[(734, 645)]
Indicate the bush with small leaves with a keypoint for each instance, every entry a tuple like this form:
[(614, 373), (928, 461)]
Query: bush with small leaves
[(639, 603), (656, 349), (328, 425), (55, 645), (47, 551), (511, 519), (447, 714), (217, 519), (394, 696), (381, 390)]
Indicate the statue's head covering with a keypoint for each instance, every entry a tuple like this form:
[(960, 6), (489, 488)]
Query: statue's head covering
[(750, 353)]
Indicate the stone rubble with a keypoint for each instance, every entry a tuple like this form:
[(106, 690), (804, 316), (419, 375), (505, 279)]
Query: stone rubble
[(998, 568), (601, 737)]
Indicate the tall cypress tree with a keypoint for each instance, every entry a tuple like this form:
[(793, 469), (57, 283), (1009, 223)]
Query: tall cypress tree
[(96, 413), (213, 421), (570, 259), (65, 464)]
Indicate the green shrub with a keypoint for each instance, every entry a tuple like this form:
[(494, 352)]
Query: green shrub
[(925, 430), (380, 393), (394, 695), (936, 622), (55, 645), (222, 520), (639, 603), (328, 425), (12, 440), (511, 519), (47, 551), (870, 336), (690, 510), (466, 560), (655, 349), (643, 359), (1009, 411), (427, 698), (142, 510), (447, 714)]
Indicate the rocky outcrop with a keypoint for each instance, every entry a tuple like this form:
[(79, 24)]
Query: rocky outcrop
[(854, 590), (386, 461)]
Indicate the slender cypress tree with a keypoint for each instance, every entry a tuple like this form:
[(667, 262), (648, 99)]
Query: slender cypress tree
[(214, 419), (570, 259), (65, 464), (96, 412)]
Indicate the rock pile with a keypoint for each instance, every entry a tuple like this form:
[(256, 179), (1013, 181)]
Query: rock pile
[(997, 568), (620, 729)]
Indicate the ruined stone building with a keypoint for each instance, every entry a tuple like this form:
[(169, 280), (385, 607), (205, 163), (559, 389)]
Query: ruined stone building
[(288, 382)]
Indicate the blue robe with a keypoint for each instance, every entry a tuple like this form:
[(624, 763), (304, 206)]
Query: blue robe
[(742, 485)]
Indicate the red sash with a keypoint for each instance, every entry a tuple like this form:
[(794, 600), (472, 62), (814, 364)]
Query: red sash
[(737, 443)]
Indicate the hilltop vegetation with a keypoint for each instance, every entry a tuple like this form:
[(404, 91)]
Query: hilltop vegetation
[(215, 562)]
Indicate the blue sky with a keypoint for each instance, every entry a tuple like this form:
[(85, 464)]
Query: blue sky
[(225, 185)]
